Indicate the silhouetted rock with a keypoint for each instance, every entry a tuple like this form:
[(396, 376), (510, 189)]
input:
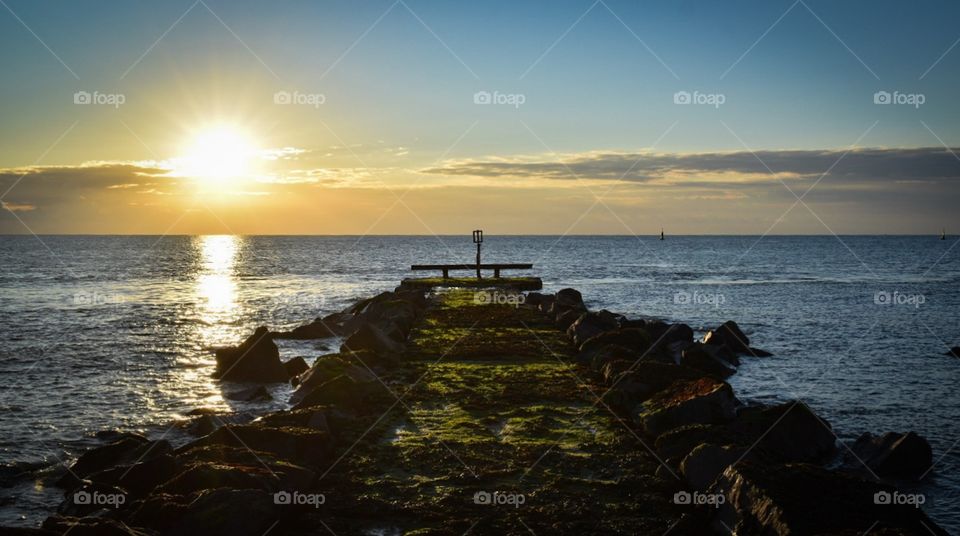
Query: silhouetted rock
[(371, 337), (303, 446), (318, 329), (635, 339), (341, 391), (794, 499), (249, 394), (702, 401), (296, 367), (954, 352), (140, 478), (569, 298), (90, 526), (730, 335), (897, 455), (708, 359), (589, 324), (257, 360), (707, 461), (237, 512), (130, 448), (566, 317), (534, 299), (645, 380)]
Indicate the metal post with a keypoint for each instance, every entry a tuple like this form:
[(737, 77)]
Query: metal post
[(478, 239)]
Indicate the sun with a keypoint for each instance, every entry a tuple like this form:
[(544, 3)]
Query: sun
[(218, 153)]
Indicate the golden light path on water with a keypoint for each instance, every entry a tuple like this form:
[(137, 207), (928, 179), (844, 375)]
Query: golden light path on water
[(217, 310)]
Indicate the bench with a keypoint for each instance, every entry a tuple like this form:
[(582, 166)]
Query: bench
[(445, 268)]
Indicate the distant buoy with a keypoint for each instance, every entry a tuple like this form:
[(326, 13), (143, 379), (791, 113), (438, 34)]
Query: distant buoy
[(661, 234)]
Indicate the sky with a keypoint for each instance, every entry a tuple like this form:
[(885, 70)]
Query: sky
[(438, 117)]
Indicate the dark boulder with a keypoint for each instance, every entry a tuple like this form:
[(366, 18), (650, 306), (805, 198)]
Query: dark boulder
[(302, 446), (318, 329), (90, 526), (636, 339), (140, 478), (535, 299), (590, 324), (250, 394), (895, 455), (729, 335), (237, 512), (130, 448), (257, 360), (342, 391), (702, 401), (664, 334), (566, 317), (644, 380), (707, 359), (295, 367), (954, 352), (569, 298), (793, 499), (708, 461), (372, 338)]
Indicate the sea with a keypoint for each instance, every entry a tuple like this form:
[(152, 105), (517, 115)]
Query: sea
[(116, 332)]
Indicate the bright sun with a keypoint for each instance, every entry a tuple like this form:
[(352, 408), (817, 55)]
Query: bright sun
[(218, 153)]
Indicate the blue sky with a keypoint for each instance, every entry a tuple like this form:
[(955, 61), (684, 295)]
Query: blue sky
[(400, 76)]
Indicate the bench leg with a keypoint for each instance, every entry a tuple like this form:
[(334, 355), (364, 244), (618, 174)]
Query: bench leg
[(496, 273), (446, 273)]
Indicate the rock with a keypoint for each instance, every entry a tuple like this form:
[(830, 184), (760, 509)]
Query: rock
[(90, 526), (954, 352), (370, 337), (535, 299), (130, 448), (296, 367), (141, 478), (794, 499), (707, 359), (756, 352), (609, 353), (566, 317), (303, 446), (342, 391), (590, 324), (636, 339), (702, 401), (318, 329), (237, 512), (664, 334), (92, 497), (569, 298), (324, 369), (256, 360), (204, 476), (895, 455), (613, 369), (706, 462), (730, 335), (249, 395), (646, 379)]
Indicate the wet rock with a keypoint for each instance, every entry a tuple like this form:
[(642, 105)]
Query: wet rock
[(237, 512), (794, 499), (256, 360), (707, 461), (707, 359), (295, 367), (894, 454), (702, 401), (130, 448), (590, 324), (303, 446), (250, 394), (141, 478), (729, 335), (372, 338), (636, 339)]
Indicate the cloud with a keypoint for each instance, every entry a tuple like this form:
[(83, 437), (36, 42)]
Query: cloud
[(714, 168)]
